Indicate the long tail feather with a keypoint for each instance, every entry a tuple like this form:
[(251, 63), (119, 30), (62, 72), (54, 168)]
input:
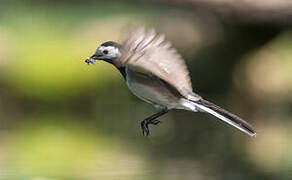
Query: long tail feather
[(224, 115)]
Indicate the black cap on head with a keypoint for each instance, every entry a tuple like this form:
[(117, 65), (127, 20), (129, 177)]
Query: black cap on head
[(111, 43)]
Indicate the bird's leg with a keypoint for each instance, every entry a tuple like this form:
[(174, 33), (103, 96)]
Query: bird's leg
[(151, 120)]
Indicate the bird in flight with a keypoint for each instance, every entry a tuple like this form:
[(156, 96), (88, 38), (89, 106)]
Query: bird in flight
[(156, 73)]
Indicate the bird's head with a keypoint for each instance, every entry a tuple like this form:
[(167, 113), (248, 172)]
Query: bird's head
[(108, 51)]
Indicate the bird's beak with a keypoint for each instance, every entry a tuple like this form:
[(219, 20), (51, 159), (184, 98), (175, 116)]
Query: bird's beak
[(93, 58)]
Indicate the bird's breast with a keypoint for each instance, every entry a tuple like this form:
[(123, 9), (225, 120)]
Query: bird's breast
[(151, 89)]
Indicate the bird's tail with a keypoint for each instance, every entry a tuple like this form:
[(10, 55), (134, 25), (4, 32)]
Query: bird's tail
[(222, 114)]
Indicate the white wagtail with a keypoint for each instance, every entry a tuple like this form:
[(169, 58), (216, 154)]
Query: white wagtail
[(157, 74)]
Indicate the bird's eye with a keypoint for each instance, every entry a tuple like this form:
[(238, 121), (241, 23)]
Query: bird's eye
[(105, 51)]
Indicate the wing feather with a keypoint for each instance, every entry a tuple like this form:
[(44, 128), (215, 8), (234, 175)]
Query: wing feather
[(148, 52)]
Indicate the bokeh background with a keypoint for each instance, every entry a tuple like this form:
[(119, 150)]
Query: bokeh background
[(61, 119)]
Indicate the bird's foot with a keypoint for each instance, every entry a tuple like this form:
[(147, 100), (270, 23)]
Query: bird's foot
[(145, 128)]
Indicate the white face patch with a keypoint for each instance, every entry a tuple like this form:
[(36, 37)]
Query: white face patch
[(110, 52)]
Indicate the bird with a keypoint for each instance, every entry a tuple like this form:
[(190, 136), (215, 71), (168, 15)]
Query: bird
[(156, 73)]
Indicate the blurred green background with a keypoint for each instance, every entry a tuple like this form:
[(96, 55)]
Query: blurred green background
[(63, 120)]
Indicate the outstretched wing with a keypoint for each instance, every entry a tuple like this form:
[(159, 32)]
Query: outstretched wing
[(147, 52)]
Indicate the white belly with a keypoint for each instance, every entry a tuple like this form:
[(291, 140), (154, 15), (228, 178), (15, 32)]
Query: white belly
[(151, 90)]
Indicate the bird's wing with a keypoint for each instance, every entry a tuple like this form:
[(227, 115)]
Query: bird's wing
[(148, 52)]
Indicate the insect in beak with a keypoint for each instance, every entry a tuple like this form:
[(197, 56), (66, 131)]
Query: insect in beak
[(90, 60)]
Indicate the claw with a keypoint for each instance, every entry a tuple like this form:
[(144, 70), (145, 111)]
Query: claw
[(151, 120), (155, 122), (145, 128)]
